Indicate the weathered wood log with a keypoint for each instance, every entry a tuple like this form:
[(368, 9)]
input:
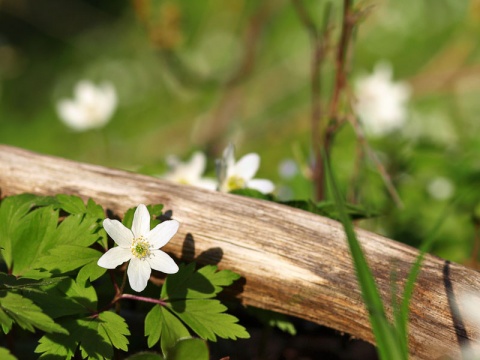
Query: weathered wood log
[(293, 262)]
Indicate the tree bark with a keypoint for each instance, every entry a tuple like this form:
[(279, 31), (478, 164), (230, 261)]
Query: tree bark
[(291, 261)]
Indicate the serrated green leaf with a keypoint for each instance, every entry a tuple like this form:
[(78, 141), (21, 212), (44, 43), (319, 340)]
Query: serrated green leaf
[(208, 319), (76, 229), (160, 324), (204, 283), (30, 238), (113, 329), (6, 355), (71, 204), (95, 210), (26, 314), (191, 349), (95, 337), (12, 210), (90, 272), (66, 298), (5, 321), (83, 334), (64, 258)]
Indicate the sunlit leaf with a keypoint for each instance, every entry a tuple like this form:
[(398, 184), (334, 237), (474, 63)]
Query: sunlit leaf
[(160, 324), (191, 349)]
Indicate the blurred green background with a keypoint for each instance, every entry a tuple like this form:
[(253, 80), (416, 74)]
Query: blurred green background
[(195, 75)]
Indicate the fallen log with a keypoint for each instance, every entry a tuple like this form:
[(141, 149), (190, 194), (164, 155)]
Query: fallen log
[(292, 261)]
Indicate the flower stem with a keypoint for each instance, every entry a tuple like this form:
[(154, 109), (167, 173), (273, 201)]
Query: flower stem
[(142, 298)]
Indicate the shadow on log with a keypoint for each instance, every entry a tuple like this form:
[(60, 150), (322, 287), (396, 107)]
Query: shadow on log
[(293, 262)]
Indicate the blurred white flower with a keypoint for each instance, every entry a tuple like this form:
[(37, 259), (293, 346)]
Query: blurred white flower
[(190, 173), (440, 188), (381, 103), (92, 106), (141, 246), (287, 168), (469, 307), (239, 175)]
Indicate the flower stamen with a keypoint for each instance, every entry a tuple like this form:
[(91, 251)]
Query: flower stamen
[(140, 248), (235, 182)]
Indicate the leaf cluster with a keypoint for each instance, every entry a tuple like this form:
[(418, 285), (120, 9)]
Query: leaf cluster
[(50, 247), (189, 298)]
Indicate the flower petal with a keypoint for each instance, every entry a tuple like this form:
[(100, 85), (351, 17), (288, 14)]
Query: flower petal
[(161, 261), (196, 165), (118, 232), (138, 274), (207, 184), (247, 166), (141, 221), (263, 185), (114, 257), (162, 233)]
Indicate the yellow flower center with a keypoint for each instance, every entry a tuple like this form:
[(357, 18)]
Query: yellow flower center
[(140, 248), (235, 182)]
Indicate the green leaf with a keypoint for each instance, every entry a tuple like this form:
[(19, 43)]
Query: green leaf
[(90, 272), (204, 283), (90, 216), (25, 313), (95, 210), (191, 349), (95, 337), (66, 298), (161, 324), (71, 204), (208, 319), (189, 295), (64, 258), (112, 327), (76, 229), (31, 238), (12, 210), (388, 343), (5, 354)]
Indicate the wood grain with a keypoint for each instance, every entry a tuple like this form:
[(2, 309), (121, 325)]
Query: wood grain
[(291, 261)]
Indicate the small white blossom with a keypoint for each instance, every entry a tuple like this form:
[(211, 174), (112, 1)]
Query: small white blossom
[(190, 173), (239, 175), (469, 307), (381, 103), (92, 106), (141, 246), (440, 188), (288, 168)]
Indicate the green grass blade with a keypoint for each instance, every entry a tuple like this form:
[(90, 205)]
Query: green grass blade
[(388, 344), (402, 319)]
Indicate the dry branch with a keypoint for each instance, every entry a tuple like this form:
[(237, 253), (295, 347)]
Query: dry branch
[(292, 261)]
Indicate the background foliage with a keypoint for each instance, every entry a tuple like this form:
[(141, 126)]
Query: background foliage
[(195, 75)]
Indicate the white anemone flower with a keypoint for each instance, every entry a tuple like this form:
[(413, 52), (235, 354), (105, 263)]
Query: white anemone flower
[(141, 246), (190, 172), (234, 175), (92, 106), (381, 103), (470, 313)]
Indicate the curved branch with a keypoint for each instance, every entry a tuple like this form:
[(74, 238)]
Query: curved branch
[(292, 261)]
